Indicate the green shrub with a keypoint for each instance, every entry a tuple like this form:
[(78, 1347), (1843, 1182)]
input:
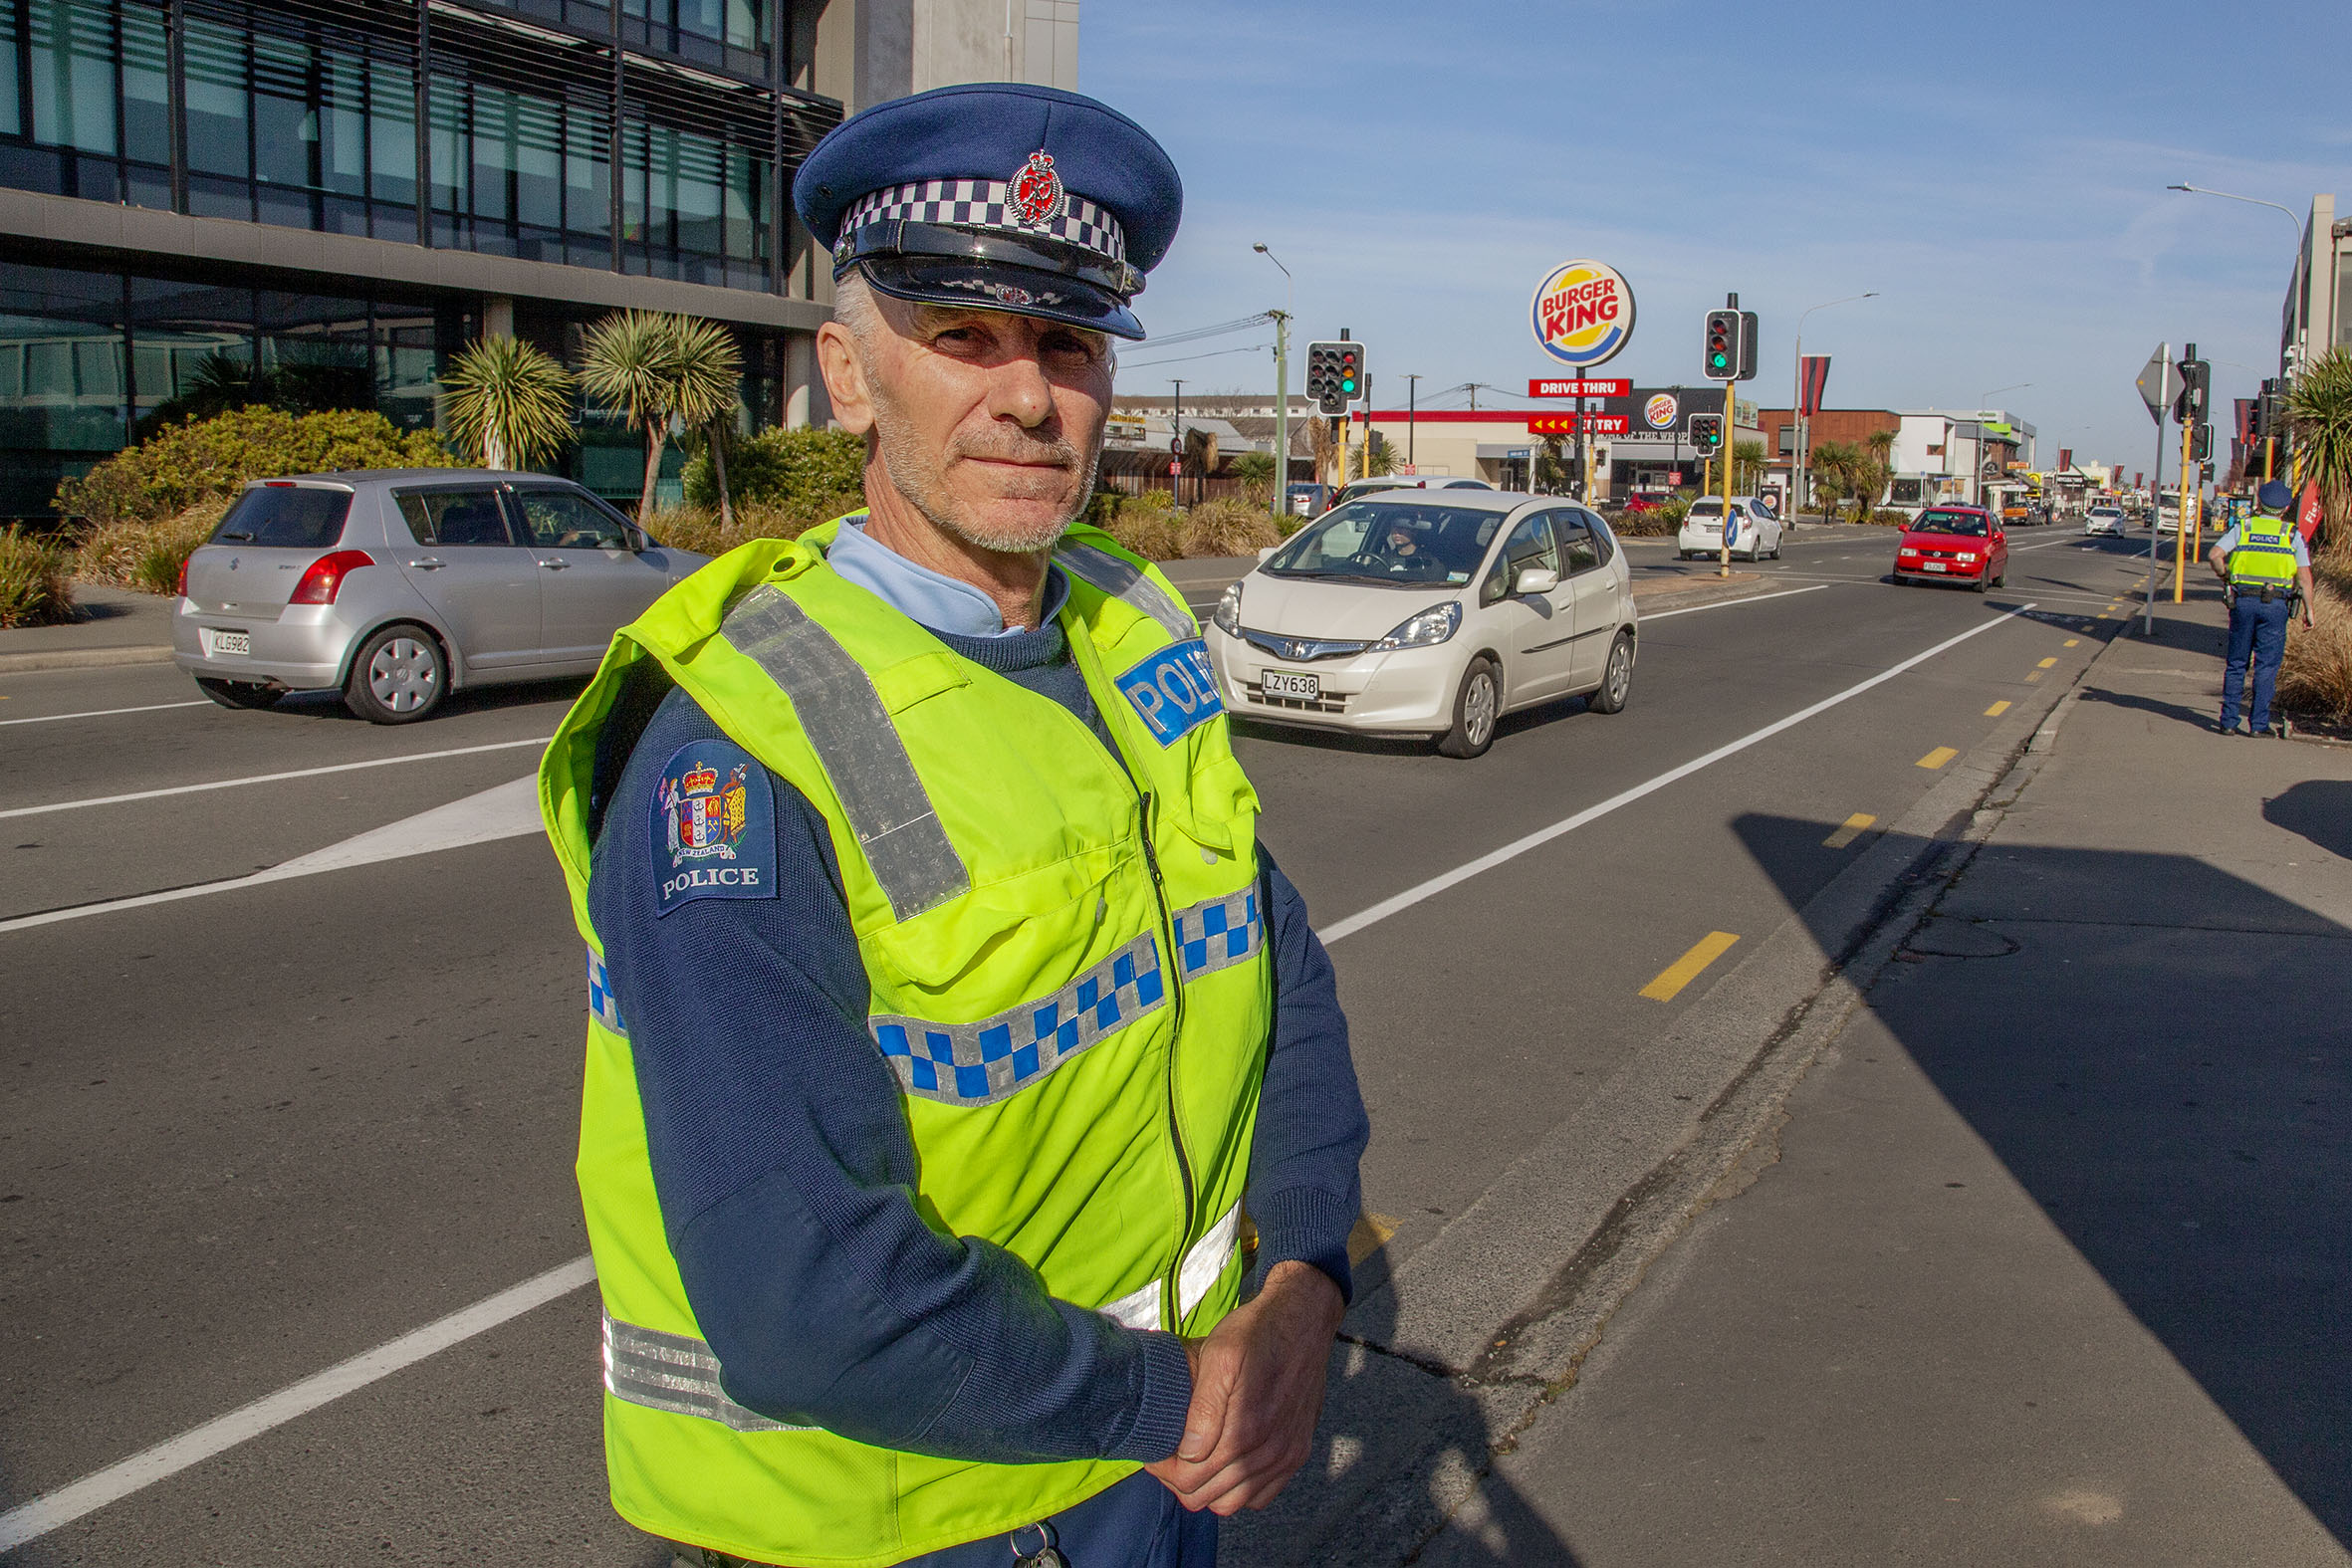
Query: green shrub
[(1149, 524), (147, 556), (1889, 517), (34, 589), (800, 469), (182, 465), (2315, 676), (698, 528), (1227, 528)]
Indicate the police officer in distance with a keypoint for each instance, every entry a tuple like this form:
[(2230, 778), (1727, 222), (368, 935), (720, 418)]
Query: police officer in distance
[(949, 1028), (2265, 565)]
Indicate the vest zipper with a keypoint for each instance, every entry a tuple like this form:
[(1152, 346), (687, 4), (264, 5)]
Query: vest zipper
[(1175, 983)]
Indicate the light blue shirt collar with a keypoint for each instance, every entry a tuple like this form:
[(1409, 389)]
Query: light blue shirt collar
[(929, 598)]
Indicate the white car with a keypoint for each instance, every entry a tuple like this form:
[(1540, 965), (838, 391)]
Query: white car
[(1415, 613), (1357, 488), (2103, 520), (1755, 529)]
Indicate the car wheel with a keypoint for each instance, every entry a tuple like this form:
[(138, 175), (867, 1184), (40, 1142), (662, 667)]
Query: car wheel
[(399, 678), (240, 694), (1476, 708), (1616, 679)]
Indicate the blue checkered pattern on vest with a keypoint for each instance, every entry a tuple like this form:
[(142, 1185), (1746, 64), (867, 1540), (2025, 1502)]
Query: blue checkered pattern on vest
[(601, 998), (983, 1062), (1220, 932)]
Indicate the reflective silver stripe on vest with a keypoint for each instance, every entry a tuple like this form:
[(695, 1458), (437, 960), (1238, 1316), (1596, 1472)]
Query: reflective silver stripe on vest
[(1122, 580), (981, 1064), (889, 810), (670, 1372), (1204, 1265), (1218, 933)]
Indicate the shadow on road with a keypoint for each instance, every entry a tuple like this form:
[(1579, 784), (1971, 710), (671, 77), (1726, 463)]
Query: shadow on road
[(1399, 1447), (2159, 1052)]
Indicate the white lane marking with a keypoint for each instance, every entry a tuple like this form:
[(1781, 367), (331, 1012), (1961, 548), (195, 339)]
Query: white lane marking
[(107, 713), (53, 1510), (507, 810), (1420, 892), (1754, 598), (256, 778)]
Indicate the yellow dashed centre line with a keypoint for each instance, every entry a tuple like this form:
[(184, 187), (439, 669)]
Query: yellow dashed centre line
[(2050, 663), (1939, 756), (1675, 975), (1997, 709), (1855, 826), (2074, 642), (2032, 676)]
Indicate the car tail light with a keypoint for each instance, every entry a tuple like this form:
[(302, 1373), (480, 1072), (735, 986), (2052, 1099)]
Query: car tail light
[(324, 580), (182, 588)]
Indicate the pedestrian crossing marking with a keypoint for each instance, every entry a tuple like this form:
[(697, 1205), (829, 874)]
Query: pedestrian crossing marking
[(2049, 663), (1675, 975), (1997, 709), (1939, 756), (1855, 826)]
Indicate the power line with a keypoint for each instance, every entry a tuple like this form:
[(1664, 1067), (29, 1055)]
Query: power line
[(1190, 335), (1141, 364)]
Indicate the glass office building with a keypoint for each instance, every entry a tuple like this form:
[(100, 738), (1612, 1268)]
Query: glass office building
[(326, 200)]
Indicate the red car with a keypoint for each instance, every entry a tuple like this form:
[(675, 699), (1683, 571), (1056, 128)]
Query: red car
[(1953, 544)]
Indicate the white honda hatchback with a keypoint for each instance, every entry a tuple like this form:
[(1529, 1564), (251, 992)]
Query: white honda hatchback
[(1429, 613)]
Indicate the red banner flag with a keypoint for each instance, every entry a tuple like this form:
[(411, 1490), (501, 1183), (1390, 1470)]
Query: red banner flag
[(2308, 517), (1813, 381), (2065, 458)]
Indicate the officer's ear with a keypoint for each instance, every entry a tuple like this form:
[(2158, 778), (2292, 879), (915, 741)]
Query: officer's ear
[(838, 361)]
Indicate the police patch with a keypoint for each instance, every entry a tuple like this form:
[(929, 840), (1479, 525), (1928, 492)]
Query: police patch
[(1173, 690), (714, 826)]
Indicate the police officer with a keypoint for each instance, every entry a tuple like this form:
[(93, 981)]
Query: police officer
[(2265, 566), (950, 1031)]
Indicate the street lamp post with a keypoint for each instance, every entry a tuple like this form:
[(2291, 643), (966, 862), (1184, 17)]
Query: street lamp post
[(1984, 403), (1796, 441), (2296, 356), (1282, 387), (1412, 393)]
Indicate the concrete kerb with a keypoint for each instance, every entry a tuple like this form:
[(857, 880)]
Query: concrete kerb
[(83, 658), (1506, 1301)]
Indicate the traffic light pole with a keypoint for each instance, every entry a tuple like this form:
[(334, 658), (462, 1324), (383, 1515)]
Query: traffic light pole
[(2181, 513), (1730, 444)]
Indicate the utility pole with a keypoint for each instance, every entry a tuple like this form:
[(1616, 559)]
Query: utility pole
[(1282, 413), (1176, 448), (1367, 421), (1677, 427), (1412, 403)]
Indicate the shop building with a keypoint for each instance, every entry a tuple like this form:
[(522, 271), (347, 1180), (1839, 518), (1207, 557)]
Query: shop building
[(2317, 312), (325, 201), (1640, 442)]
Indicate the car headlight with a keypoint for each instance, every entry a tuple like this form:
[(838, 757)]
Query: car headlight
[(1967, 555), (1425, 630), (1227, 617)]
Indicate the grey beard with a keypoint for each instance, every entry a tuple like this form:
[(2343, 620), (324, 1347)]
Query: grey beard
[(911, 476)]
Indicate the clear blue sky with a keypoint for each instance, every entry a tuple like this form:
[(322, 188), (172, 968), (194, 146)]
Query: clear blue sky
[(1998, 173)]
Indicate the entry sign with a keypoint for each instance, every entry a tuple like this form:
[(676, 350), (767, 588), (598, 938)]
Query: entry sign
[(1571, 425), (2159, 383), (1602, 389), (1673, 476)]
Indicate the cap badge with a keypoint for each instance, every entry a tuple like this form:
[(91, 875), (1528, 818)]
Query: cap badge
[(1037, 192)]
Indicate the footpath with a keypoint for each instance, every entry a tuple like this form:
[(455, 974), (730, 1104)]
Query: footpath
[(1993, 1210), (2045, 1259), (116, 626)]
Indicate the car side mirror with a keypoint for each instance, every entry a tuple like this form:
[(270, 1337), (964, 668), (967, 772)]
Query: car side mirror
[(640, 542), (1538, 580)]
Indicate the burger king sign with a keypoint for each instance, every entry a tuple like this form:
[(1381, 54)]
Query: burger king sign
[(1583, 312)]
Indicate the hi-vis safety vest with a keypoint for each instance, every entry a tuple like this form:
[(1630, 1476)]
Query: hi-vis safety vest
[(2266, 553), (1070, 980)]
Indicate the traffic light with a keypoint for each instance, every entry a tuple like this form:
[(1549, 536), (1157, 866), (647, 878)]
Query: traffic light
[(2201, 444), (1707, 429), (1334, 376), (1723, 345), (2269, 405), (1747, 346), (2195, 383)]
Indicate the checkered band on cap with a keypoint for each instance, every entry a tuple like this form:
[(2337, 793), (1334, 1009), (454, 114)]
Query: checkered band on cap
[(987, 204)]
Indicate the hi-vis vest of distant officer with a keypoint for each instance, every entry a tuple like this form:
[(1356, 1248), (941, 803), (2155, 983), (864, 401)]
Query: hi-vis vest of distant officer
[(2265, 553), (1069, 981)]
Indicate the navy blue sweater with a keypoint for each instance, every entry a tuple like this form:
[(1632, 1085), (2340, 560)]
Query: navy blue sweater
[(782, 1159)]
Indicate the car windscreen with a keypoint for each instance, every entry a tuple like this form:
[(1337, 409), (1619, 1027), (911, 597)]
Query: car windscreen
[(1949, 522), (1396, 544), (295, 517)]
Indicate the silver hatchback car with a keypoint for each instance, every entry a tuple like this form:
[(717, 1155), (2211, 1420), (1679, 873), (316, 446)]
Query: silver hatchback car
[(402, 585)]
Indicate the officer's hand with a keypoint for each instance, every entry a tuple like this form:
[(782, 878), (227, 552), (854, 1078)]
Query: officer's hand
[(1257, 1391)]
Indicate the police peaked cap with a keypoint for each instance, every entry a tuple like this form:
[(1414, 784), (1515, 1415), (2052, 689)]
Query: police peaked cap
[(998, 194), (2275, 496)]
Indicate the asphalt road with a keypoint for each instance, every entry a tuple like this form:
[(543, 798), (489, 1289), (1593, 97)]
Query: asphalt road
[(249, 1134)]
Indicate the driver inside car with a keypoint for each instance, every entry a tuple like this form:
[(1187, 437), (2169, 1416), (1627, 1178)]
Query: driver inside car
[(1405, 555)]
